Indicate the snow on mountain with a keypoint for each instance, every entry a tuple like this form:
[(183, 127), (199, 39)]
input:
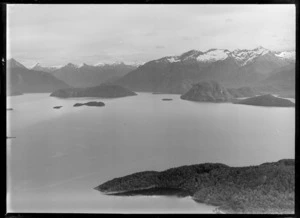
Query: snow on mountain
[(244, 57), (173, 59), (190, 55), (39, 67), (241, 56), (99, 64), (213, 55), (289, 55)]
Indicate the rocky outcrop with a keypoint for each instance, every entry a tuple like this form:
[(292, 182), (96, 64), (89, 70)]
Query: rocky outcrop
[(207, 91), (266, 188), (103, 91), (267, 101)]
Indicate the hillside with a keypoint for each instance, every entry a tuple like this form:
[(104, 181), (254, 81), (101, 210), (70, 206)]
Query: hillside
[(282, 81), (207, 91), (266, 188), (22, 80)]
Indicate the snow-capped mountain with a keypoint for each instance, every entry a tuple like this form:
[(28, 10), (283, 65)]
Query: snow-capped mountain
[(85, 75), (286, 55), (39, 67), (241, 56), (176, 74)]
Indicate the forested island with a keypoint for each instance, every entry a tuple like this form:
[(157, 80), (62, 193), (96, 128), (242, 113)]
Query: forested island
[(266, 188), (267, 101)]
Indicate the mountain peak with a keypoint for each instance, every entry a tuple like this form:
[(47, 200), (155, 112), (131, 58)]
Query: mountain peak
[(71, 65), (36, 65), (190, 54), (259, 48), (12, 63)]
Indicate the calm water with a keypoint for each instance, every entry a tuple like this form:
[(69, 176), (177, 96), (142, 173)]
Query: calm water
[(59, 156)]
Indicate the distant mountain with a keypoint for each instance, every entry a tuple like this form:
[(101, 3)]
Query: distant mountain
[(22, 80), (103, 91), (176, 74), (39, 67), (281, 81), (89, 75), (243, 92), (207, 91)]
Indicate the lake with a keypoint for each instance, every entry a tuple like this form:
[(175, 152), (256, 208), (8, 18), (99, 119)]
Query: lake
[(60, 155)]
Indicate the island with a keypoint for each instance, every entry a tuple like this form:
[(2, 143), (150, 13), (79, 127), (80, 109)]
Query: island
[(103, 91), (207, 91), (265, 188), (91, 103), (267, 101), (167, 99), (57, 107), (9, 109)]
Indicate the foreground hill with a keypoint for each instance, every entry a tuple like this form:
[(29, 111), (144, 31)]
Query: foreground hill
[(266, 188), (103, 90), (22, 80), (266, 100), (176, 74)]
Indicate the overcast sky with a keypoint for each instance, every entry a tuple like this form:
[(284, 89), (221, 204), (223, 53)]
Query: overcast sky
[(59, 34)]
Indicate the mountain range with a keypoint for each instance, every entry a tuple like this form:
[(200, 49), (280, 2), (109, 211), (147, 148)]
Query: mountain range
[(22, 80), (259, 68), (91, 75), (234, 69)]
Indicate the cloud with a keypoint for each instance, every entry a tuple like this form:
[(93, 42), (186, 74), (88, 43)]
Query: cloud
[(98, 33), (187, 38)]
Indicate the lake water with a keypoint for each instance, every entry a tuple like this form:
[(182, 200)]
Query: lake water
[(60, 155)]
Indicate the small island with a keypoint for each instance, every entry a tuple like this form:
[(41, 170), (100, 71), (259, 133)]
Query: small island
[(207, 91), (266, 188), (9, 109), (57, 107), (91, 103), (167, 99), (103, 91), (267, 101)]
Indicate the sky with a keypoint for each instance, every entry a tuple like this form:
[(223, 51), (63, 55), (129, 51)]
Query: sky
[(54, 35)]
